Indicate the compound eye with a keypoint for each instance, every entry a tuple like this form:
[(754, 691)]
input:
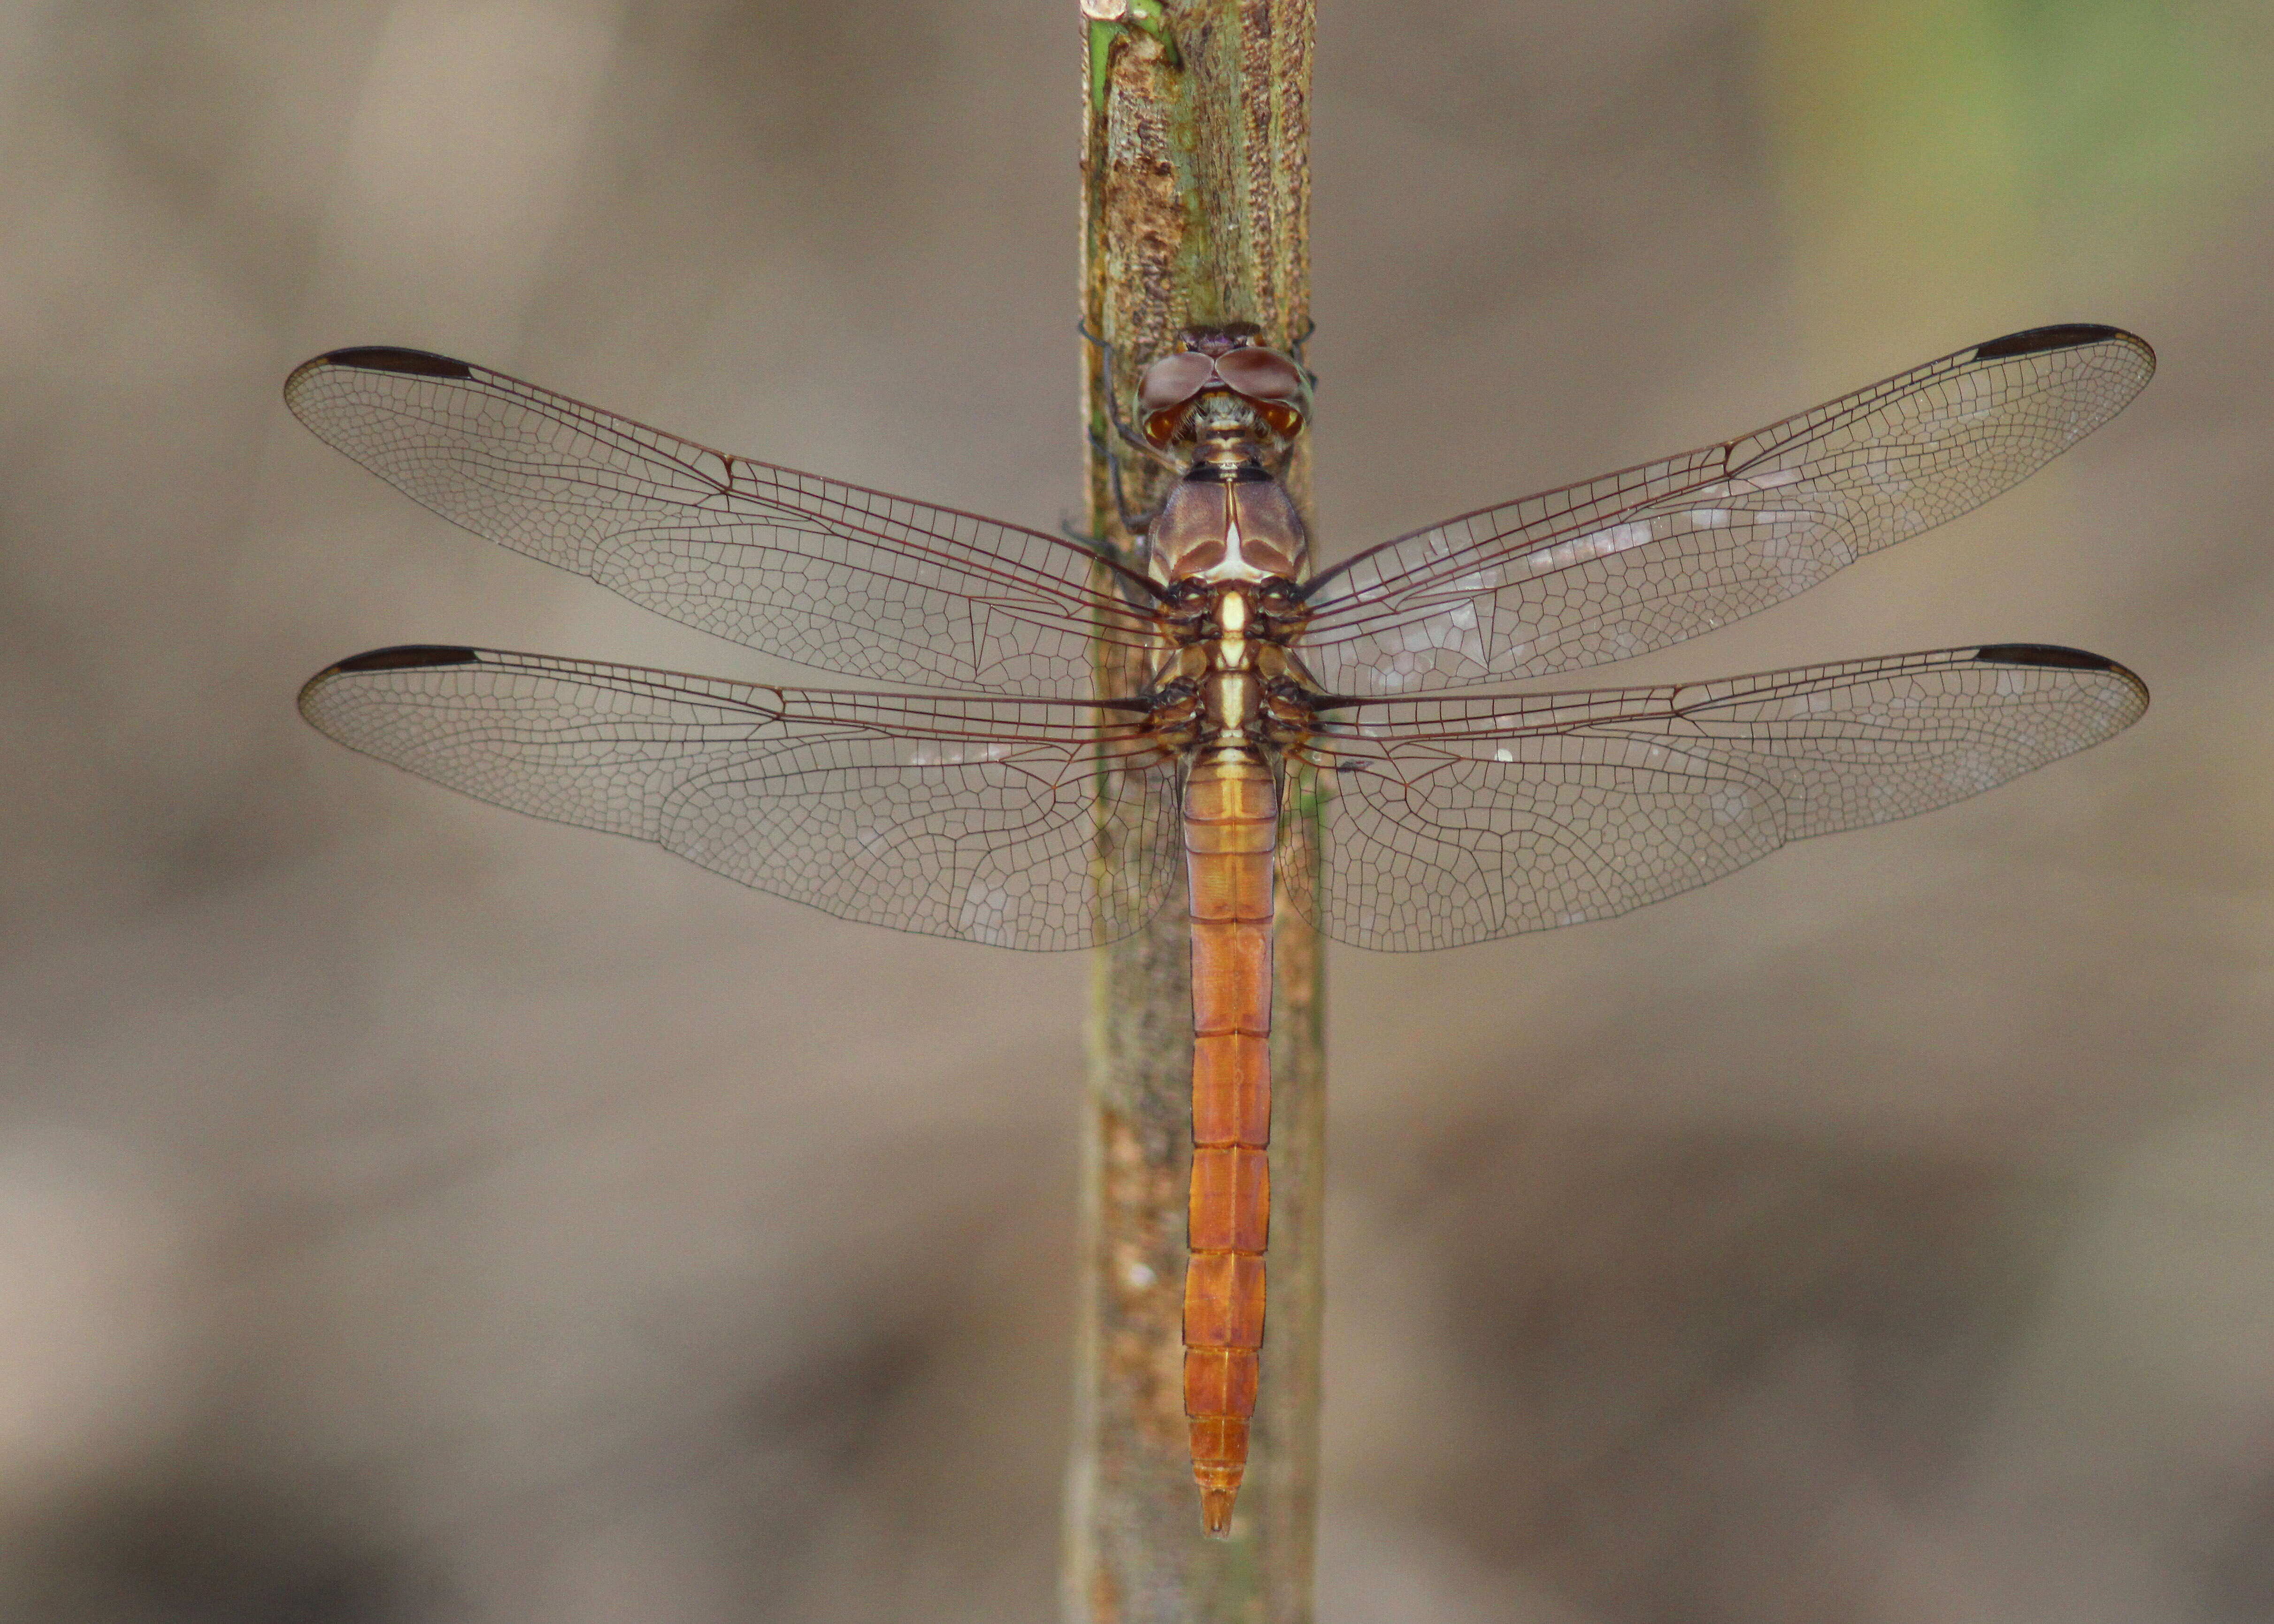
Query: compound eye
[(1261, 374), (1173, 380), (1284, 420)]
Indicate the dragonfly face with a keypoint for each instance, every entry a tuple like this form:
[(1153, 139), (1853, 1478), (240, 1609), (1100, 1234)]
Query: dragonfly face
[(1223, 380), (1446, 815)]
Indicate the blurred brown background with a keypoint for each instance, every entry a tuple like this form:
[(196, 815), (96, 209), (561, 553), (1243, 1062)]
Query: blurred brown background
[(409, 1212)]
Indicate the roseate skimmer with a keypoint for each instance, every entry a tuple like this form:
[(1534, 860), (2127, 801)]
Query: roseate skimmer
[(1320, 732)]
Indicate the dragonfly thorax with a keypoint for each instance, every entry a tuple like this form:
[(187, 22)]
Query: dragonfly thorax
[(1230, 678), (1227, 523)]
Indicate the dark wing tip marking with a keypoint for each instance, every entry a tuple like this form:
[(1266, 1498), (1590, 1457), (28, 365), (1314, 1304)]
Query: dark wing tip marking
[(2053, 655), (2037, 340), (403, 656), (387, 358), (2042, 654)]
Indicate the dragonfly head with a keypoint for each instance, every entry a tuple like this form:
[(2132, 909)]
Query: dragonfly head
[(1221, 384)]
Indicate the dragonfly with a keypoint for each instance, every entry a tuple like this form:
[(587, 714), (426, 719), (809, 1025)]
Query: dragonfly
[(1367, 743)]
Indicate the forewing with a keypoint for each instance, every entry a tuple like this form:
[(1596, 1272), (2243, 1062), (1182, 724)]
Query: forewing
[(1461, 820), (970, 817), (1635, 560), (829, 575)]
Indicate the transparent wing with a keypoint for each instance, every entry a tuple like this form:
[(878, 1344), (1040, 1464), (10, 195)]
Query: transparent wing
[(1634, 560), (971, 817), (829, 575), (1453, 821)]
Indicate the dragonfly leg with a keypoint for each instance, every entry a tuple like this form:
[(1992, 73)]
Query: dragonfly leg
[(1287, 457), (1310, 329), (1113, 406), (1099, 545), (1136, 523)]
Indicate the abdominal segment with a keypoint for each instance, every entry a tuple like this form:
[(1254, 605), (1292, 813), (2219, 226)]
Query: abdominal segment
[(1231, 818)]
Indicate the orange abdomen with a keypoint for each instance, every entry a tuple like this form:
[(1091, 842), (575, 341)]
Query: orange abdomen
[(1232, 822)]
